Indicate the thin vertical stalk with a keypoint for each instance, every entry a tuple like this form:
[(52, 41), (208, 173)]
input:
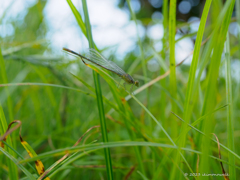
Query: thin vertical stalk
[(99, 97), (173, 80), (230, 121)]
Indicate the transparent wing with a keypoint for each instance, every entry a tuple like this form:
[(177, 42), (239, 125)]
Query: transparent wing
[(95, 58)]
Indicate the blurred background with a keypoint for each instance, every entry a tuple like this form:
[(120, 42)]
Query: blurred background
[(32, 35), (53, 24), (113, 30)]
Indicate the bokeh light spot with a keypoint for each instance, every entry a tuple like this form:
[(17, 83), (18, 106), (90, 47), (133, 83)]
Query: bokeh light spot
[(184, 7), (156, 3)]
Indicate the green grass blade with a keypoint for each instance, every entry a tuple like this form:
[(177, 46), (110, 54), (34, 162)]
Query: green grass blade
[(210, 95), (173, 80), (188, 105), (78, 17), (193, 67), (230, 119), (99, 97)]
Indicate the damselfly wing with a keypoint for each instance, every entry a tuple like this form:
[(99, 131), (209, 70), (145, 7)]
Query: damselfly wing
[(93, 57)]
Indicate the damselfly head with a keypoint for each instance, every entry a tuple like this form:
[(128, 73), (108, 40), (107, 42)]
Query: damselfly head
[(136, 83)]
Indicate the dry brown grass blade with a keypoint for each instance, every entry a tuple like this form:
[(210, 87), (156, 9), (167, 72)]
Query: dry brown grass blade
[(219, 155)]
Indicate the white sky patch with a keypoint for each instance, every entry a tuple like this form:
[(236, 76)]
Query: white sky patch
[(105, 13), (63, 30)]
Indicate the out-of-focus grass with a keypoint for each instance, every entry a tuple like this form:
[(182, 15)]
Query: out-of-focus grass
[(57, 107)]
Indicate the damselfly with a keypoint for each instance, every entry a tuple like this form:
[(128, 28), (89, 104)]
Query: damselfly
[(95, 58)]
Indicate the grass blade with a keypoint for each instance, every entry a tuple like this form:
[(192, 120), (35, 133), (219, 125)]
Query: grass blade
[(230, 121), (99, 97), (210, 95)]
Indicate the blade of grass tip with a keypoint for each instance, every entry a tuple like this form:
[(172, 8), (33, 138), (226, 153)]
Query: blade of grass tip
[(230, 113), (210, 94), (13, 174), (99, 97)]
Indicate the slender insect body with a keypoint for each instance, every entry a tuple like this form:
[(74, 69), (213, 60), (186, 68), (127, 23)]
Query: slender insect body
[(96, 59)]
